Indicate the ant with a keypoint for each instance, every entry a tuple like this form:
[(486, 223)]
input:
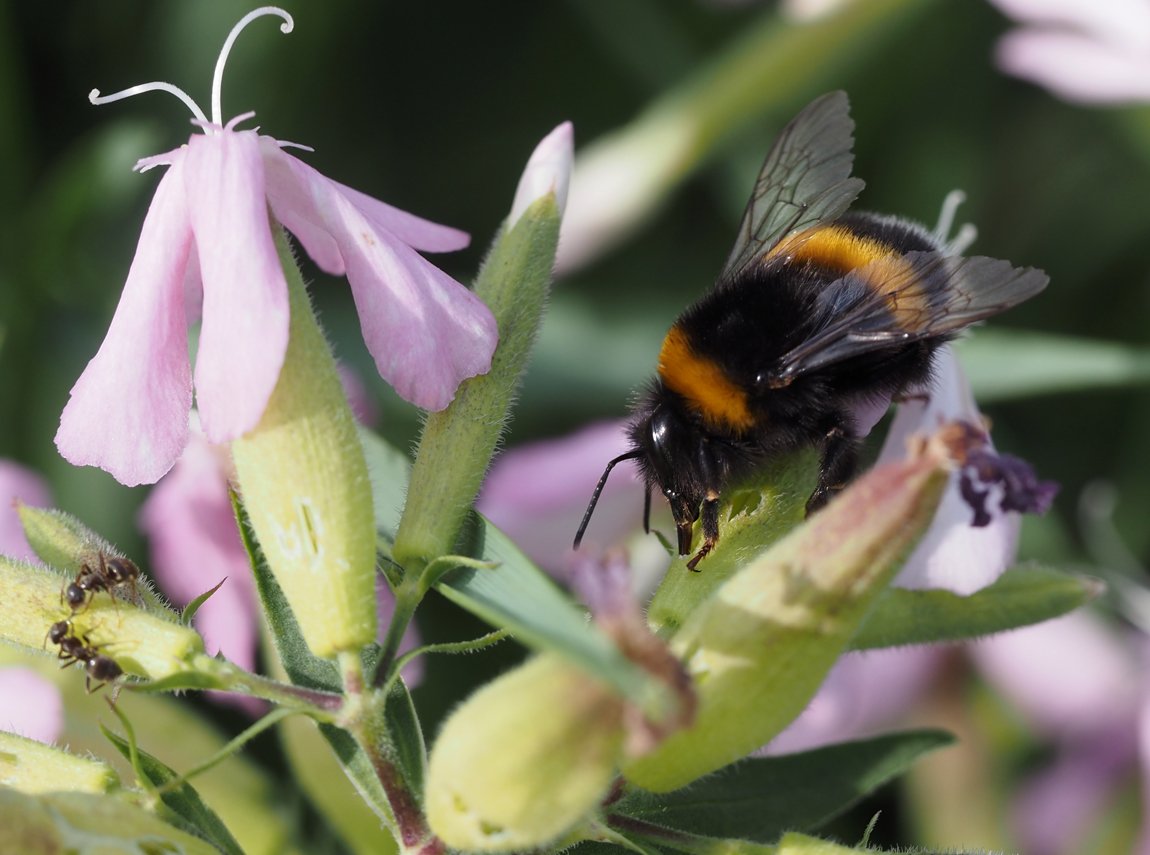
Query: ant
[(106, 574), (74, 648)]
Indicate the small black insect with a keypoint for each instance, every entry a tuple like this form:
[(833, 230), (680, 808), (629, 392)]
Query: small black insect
[(817, 312), (102, 573), (79, 648)]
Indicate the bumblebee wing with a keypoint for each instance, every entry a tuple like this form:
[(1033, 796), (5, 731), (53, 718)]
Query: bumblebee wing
[(901, 299), (805, 179)]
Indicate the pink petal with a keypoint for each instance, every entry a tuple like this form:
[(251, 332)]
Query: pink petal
[(18, 483), (537, 493), (1117, 21), (426, 332), (414, 231), (195, 544), (128, 412), (245, 321), (296, 193), (1076, 67), (30, 705), (548, 170)]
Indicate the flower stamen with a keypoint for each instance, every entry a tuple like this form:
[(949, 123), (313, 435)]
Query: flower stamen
[(218, 75), (155, 86)]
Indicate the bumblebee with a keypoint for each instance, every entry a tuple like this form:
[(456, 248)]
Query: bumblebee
[(818, 312)]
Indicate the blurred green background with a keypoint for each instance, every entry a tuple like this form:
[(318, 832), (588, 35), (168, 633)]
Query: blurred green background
[(435, 106)]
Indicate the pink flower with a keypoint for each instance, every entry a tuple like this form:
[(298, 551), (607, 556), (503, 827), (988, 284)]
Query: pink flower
[(1081, 50), (1080, 685), (29, 704), (195, 546), (955, 553), (18, 483), (206, 253)]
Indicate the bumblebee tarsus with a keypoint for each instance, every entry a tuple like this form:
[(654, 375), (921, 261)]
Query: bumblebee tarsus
[(710, 526), (840, 459)]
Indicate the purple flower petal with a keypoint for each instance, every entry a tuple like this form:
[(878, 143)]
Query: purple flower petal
[(18, 483), (426, 332), (30, 705), (245, 320), (128, 412)]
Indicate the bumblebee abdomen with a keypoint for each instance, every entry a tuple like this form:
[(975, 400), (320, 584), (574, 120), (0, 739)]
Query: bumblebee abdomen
[(873, 248)]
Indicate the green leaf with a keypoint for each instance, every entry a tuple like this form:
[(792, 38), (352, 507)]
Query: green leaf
[(194, 680), (194, 814), (406, 736), (515, 594), (191, 608), (360, 771), (1021, 596), (760, 798), (1043, 364), (304, 668), (518, 596), (389, 470)]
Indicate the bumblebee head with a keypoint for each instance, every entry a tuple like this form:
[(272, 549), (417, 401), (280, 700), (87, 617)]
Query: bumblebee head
[(675, 457)]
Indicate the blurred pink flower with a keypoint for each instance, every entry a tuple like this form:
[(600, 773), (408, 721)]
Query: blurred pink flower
[(537, 493), (1081, 685), (30, 705), (195, 544), (866, 693), (206, 251), (1087, 51), (18, 483)]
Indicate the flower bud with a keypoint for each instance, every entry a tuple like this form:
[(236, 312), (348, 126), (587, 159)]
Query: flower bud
[(33, 767), (145, 643), (759, 648), (525, 758), (303, 481)]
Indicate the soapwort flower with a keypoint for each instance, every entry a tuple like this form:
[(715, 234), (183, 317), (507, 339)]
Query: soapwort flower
[(206, 253)]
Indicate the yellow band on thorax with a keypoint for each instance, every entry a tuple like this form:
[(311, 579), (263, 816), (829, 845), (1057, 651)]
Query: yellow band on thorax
[(703, 383)]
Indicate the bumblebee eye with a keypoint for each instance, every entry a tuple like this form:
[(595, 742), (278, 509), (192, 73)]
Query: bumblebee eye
[(669, 493)]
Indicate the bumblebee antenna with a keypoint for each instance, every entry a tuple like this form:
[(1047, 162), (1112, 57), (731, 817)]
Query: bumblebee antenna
[(630, 455)]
